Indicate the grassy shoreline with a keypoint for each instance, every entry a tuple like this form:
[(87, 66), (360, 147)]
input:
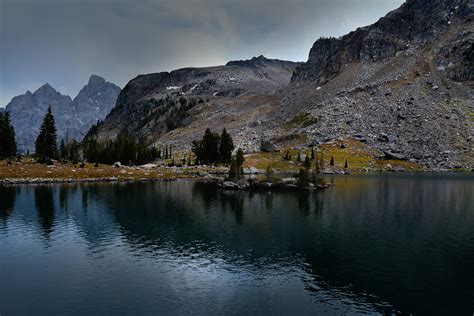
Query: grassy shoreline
[(29, 171), (361, 160)]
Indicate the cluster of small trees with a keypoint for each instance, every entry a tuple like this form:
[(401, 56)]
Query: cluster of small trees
[(304, 173), (69, 151), (212, 148), (7, 137), (125, 149)]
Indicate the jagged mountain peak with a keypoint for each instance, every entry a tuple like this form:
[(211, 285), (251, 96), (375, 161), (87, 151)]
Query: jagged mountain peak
[(96, 80), (73, 117), (259, 61), (45, 88)]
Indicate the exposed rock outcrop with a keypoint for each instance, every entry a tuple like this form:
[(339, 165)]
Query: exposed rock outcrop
[(415, 24)]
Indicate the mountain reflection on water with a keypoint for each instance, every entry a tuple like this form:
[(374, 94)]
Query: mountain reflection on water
[(371, 244)]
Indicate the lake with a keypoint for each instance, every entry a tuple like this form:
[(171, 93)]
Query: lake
[(372, 244)]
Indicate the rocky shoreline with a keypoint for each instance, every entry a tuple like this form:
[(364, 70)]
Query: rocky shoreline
[(66, 174), (71, 180), (265, 186), (227, 185)]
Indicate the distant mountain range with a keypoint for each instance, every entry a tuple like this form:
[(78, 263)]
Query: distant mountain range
[(402, 85), (73, 117)]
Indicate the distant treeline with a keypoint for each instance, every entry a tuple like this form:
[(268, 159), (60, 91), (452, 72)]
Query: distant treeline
[(125, 149)]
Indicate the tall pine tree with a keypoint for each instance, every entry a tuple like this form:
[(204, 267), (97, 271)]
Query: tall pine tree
[(7, 137), (62, 150), (226, 147), (239, 161), (46, 146)]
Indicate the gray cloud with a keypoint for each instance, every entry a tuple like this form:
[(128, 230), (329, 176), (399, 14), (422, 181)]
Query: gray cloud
[(64, 41)]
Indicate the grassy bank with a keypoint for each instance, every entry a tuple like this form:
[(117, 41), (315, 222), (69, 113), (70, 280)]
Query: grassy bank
[(359, 157), (29, 170)]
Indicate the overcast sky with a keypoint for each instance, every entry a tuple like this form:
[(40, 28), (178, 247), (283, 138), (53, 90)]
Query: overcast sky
[(63, 42)]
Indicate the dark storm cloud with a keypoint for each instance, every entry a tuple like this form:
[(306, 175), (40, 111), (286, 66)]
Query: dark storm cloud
[(63, 42)]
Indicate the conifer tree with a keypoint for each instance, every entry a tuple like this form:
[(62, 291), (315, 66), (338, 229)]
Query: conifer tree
[(197, 149), (46, 146), (7, 137), (226, 147), (62, 150), (319, 165), (232, 169), (73, 151), (207, 149), (332, 161), (303, 175), (307, 163), (303, 178), (239, 161), (211, 147)]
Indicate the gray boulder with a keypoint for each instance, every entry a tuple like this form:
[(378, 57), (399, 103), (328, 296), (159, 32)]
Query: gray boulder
[(393, 155), (268, 147)]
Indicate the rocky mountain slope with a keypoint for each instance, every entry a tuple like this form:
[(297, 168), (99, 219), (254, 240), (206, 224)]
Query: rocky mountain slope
[(156, 104), (403, 85), (73, 117)]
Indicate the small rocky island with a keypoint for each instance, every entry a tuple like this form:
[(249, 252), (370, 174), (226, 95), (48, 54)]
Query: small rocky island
[(308, 178), (286, 184)]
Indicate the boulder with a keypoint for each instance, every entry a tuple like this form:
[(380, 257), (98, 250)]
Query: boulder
[(251, 170), (268, 147), (393, 155), (229, 185), (148, 166), (383, 138), (360, 138)]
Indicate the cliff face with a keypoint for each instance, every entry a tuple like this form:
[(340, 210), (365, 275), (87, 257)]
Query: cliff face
[(415, 24), (93, 103), (403, 84), (73, 118)]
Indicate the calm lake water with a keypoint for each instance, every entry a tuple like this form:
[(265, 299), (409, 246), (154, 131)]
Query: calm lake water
[(372, 244)]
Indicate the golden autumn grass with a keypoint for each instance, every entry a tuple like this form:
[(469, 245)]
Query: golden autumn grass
[(28, 169), (360, 158)]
